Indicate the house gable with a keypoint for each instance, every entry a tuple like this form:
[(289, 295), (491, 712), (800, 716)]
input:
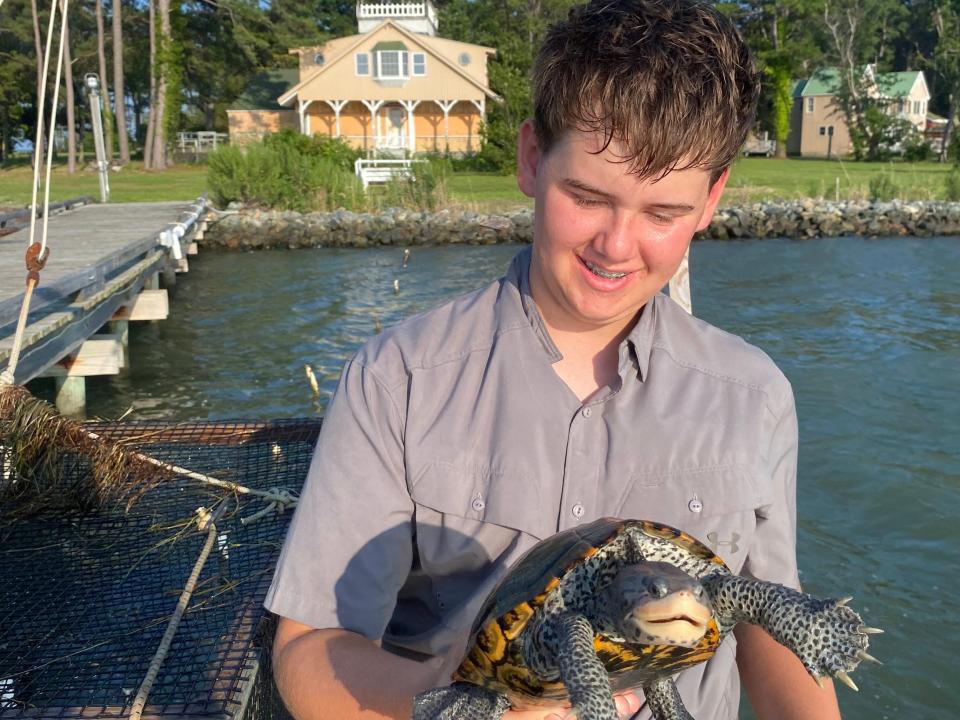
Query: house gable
[(337, 78)]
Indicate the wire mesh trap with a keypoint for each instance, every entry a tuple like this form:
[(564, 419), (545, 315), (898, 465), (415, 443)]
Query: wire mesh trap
[(86, 596)]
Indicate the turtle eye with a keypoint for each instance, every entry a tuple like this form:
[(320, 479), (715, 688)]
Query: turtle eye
[(659, 588)]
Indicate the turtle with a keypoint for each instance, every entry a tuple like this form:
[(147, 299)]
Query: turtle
[(618, 604)]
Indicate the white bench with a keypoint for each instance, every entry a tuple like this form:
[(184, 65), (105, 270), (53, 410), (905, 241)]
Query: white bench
[(382, 171)]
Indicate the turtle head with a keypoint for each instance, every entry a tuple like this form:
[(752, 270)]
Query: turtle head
[(656, 603)]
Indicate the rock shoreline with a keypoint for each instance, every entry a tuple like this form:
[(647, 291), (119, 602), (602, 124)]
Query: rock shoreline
[(241, 228)]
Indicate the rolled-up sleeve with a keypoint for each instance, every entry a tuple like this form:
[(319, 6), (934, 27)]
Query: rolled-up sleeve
[(773, 554), (349, 547)]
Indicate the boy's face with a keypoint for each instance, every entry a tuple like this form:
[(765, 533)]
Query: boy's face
[(605, 242)]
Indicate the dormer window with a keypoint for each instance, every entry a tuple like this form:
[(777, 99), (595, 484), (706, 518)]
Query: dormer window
[(363, 64), (391, 61)]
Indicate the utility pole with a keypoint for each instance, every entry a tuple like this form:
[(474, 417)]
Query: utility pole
[(92, 81)]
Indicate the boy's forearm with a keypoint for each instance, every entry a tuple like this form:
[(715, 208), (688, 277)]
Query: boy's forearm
[(777, 684), (339, 674)]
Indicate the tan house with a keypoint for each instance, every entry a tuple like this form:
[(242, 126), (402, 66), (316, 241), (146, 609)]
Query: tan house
[(817, 125), (393, 89)]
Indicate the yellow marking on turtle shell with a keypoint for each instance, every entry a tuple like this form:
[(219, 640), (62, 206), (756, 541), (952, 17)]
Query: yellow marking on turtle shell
[(519, 679), (591, 552), (514, 621), (468, 672), (619, 651), (491, 642)]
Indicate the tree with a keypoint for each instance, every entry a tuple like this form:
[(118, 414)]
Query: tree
[(946, 63), (68, 82), (120, 105), (105, 88)]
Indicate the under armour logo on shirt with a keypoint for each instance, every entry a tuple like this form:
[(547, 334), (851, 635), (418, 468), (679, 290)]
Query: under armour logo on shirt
[(716, 543)]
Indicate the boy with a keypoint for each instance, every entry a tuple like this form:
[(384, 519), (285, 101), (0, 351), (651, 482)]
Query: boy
[(567, 390)]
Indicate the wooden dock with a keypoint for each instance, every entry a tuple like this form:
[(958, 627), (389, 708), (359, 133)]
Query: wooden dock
[(104, 270)]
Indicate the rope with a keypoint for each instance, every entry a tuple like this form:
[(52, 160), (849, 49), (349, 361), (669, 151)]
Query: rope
[(205, 521), (37, 255)]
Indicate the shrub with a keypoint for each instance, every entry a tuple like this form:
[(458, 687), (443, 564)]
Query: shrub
[(882, 187), (917, 149), (284, 174), (953, 185), (425, 189)]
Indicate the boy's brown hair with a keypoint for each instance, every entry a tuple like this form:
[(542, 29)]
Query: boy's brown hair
[(671, 81)]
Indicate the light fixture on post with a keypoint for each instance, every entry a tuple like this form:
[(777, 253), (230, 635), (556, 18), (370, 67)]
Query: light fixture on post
[(92, 83)]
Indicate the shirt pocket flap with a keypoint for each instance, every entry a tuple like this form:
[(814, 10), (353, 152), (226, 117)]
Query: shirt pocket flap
[(502, 496), (678, 494)]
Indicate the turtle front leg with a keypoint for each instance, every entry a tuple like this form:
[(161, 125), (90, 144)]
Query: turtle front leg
[(460, 701), (570, 639), (664, 701), (828, 637)]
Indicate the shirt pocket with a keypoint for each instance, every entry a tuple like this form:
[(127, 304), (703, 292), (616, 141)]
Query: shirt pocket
[(717, 505), (472, 521)]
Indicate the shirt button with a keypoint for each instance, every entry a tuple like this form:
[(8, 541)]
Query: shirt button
[(577, 511), (695, 505), (587, 412), (478, 503)]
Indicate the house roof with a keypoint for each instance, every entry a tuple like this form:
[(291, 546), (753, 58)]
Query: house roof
[(418, 39), (262, 90), (826, 81)]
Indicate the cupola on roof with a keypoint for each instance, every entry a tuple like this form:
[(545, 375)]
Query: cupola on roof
[(418, 17)]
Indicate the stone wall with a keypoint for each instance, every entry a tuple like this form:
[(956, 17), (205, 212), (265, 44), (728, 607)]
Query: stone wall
[(247, 229)]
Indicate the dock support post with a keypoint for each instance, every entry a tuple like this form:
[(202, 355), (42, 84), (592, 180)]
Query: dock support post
[(121, 328), (71, 395)]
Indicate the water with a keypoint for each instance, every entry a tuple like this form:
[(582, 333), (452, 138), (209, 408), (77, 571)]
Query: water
[(866, 330)]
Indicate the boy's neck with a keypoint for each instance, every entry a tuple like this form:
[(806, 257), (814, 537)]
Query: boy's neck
[(591, 358)]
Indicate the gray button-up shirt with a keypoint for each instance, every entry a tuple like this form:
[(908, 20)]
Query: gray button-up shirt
[(451, 447)]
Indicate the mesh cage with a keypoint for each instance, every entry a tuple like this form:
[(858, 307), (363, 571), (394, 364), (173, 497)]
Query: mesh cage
[(85, 597)]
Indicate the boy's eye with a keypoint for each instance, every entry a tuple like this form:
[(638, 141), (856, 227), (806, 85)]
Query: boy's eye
[(661, 219), (586, 201)]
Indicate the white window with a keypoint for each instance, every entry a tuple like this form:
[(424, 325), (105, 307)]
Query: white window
[(916, 107), (823, 129), (419, 64), (810, 105), (363, 64), (392, 65)]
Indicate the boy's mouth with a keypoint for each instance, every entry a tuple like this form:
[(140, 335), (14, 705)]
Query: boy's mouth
[(600, 272)]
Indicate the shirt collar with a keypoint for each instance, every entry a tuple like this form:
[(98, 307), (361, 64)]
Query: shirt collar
[(634, 349)]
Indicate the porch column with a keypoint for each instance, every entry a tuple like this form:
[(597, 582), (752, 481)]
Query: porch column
[(337, 106), (446, 106), (373, 106), (304, 118), (410, 106)]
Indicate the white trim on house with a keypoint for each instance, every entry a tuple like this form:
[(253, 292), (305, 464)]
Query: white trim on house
[(402, 64)]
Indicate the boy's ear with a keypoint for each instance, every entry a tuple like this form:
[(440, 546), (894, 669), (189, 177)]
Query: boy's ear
[(712, 199), (528, 158)]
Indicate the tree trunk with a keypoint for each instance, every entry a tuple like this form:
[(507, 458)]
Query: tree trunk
[(163, 84), (119, 96), (71, 108), (151, 119), (104, 86), (38, 46)]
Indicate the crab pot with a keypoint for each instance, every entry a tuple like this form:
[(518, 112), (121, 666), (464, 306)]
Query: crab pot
[(87, 593)]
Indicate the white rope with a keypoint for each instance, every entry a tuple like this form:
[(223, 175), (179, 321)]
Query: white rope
[(53, 121)]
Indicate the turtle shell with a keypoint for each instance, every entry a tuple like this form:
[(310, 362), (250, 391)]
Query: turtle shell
[(494, 657)]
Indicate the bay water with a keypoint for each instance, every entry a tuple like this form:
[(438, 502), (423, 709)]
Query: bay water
[(867, 331)]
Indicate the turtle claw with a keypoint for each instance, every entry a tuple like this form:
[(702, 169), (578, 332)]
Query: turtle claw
[(869, 630), (845, 679), (863, 655), (819, 681), (844, 600)]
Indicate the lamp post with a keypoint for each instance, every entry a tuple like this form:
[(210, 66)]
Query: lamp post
[(92, 81)]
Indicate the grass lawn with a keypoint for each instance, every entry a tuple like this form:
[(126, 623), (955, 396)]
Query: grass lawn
[(131, 184), (752, 179)]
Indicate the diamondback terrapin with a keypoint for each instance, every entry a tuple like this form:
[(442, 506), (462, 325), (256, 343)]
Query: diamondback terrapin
[(620, 604)]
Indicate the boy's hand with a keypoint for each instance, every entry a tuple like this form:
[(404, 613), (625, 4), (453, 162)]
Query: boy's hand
[(627, 704)]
